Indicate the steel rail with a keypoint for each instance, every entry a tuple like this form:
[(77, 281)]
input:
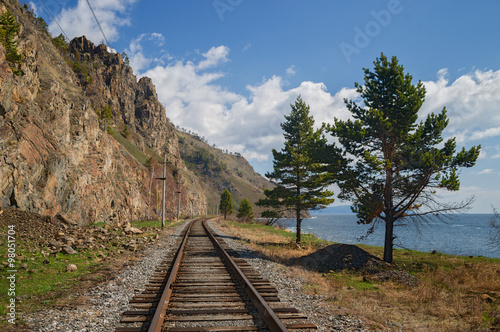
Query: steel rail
[(269, 316), (159, 316)]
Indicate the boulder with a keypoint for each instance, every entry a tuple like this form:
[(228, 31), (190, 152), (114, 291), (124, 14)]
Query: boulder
[(71, 268), (69, 240), (69, 251), (55, 244), (132, 230)]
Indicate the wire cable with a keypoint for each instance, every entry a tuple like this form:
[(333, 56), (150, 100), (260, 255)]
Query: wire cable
[(50, 13), (95, 17)]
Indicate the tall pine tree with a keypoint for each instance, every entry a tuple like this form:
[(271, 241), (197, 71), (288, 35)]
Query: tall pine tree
[(299, 168), (392, 165)]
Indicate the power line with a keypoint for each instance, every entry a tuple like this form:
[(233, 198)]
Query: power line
[(106, 39), (50, 13)]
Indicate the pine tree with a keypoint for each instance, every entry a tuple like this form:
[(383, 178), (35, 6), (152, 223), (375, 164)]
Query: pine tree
[(9, 30), (245, 209), (299, 167), (392, 166), (60, 42), (226, 204)]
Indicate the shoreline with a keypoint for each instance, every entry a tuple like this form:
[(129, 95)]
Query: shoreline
[(468, 236)]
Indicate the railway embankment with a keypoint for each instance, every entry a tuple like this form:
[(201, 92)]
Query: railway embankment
[(451, 292)]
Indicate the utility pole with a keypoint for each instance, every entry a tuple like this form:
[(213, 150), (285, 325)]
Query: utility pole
[(177, 176), (164, 178)]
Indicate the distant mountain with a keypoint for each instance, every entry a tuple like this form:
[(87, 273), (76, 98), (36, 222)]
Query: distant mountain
[(218, 170), (341, 209)]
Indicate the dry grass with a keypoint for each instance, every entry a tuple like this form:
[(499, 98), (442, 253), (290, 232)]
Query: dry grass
[(448, 298)]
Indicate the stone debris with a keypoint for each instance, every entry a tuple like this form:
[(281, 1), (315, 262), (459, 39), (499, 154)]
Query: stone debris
[(71, 267), (104, 303), (69, 251), (338, 257)]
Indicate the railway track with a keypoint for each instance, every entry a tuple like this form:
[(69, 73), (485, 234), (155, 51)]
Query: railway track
[(204, 286)]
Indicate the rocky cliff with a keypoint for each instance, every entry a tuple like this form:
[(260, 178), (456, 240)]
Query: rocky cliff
[(80, 136)]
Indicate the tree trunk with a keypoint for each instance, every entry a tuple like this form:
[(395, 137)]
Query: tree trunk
[(299, 221), (389, 237)]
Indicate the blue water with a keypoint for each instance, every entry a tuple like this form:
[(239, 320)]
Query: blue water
[(465, 235)]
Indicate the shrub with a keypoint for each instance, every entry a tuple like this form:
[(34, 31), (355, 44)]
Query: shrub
[(60, 42), (245, 210)]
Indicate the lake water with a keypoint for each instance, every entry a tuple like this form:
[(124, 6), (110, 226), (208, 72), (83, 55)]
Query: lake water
[(465, 235)]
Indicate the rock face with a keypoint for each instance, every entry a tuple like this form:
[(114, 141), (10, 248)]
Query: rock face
[(59, 156), (108, 81)]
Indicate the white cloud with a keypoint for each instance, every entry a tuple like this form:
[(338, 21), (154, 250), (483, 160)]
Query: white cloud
[(246, 47), (214, 57), (34, 8), (138, 61), (249, 125), (78, 21), (481, 134), (484, 198), (291, 70), (486, 171), (471, 101), (159, 39)]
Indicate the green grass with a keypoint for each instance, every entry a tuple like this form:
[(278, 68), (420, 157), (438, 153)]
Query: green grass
[(414, 261), (153, 153), (43, 278), (151, 223), (132, 149), (43, 284), (306, 239), (352, 279)]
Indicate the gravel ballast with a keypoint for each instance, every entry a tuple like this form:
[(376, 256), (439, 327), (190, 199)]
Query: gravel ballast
[(291, 289), (104, 304)]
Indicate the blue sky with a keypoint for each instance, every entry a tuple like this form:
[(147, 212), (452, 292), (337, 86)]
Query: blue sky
[(229, 69)]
